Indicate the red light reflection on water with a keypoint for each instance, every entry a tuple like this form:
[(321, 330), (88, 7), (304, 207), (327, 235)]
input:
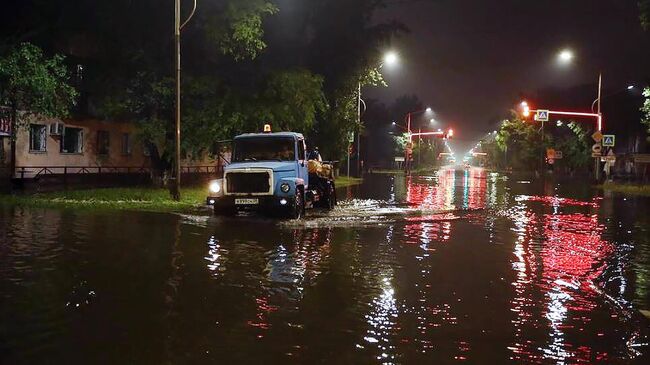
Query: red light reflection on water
[(433, 200), (558, 259)]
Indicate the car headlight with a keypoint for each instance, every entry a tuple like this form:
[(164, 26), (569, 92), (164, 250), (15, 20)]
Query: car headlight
[(215, 187), (285, 187)]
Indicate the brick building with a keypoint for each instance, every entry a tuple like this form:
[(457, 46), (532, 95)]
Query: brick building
[(51, 150)]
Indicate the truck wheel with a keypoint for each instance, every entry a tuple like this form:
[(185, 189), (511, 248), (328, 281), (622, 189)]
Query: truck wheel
[(330, 199), (298, 208)]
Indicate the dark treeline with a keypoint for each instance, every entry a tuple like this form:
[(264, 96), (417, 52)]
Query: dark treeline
[(295, 64)]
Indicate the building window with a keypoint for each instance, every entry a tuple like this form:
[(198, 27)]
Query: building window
[(103, 142), (37, 137), (301, 150), (126, 144), (72, 140)]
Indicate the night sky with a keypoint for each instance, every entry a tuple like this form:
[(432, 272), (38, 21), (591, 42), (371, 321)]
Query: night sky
[(470, 60)]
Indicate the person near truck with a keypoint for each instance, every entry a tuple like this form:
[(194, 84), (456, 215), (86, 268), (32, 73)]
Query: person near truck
[(315, 155)]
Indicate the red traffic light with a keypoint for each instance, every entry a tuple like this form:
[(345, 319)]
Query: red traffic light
[(450, 133), (525, 109)]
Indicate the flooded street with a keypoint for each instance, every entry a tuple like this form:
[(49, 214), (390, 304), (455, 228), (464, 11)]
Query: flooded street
[(456, 266)]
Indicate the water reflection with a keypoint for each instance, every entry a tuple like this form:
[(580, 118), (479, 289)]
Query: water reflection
[(457, 265)]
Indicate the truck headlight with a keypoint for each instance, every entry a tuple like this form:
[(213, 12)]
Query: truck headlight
[(285, 187), (215, 187)]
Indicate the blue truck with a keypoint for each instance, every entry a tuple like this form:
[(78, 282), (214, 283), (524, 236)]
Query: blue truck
[(269, 173)]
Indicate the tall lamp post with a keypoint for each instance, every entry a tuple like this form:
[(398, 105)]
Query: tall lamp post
[(390, 58), (178, 26), (565, 57)]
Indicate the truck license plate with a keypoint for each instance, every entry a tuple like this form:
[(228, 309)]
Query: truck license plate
[(246, 201)]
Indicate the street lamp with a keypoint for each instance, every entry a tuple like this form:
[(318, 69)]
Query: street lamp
[(565, 56), (627, 88), (390, 58)]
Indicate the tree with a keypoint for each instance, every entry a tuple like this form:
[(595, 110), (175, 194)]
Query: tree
[(644, 8), (32, 84), (575, 147), (297, 64), (645, 109), (519, 140)]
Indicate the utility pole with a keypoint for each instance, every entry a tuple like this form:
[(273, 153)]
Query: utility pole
[(176, 186), (359, 130), (419, 146), (541, 160), (597, 159)]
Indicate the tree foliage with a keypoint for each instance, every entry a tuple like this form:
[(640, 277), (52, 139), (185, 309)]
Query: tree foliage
[(644, 8), (520, 140), (237, 26), (297, 64), (575, 146), (645, 109), (34, 84)]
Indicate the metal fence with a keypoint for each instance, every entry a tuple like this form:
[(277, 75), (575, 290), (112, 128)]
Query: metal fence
[(31, 172)]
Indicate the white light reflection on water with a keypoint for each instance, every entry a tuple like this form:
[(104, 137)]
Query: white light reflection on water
[(381, 321), (215, 256)]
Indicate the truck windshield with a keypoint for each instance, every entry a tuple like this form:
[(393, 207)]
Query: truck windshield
[(264, 148)]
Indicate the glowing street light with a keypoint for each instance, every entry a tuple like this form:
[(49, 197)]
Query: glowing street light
[(630, 87), (390, 58), (565, 56)]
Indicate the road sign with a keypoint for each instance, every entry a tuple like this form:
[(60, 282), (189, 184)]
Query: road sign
[(350, 137), (542, 115), (609, 157), (609, 140), (558, 155), (595, 154), (596, 149), (597, 136), (399, 159)]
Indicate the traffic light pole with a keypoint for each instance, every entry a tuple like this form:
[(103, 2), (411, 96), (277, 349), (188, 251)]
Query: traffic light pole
[(600, 116)]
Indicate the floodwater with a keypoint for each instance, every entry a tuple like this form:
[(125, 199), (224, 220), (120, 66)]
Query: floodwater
[(460, 266)]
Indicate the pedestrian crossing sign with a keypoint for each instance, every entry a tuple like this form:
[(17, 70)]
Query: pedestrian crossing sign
[(609, 140), (542, 116)]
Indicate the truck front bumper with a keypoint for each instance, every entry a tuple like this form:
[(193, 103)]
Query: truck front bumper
[(252, 203)]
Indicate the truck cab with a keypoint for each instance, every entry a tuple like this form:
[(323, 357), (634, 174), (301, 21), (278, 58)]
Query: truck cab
[(268, 173)]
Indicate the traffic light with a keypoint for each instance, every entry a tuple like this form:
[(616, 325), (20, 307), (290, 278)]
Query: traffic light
[(525, 109), (450, 133)]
